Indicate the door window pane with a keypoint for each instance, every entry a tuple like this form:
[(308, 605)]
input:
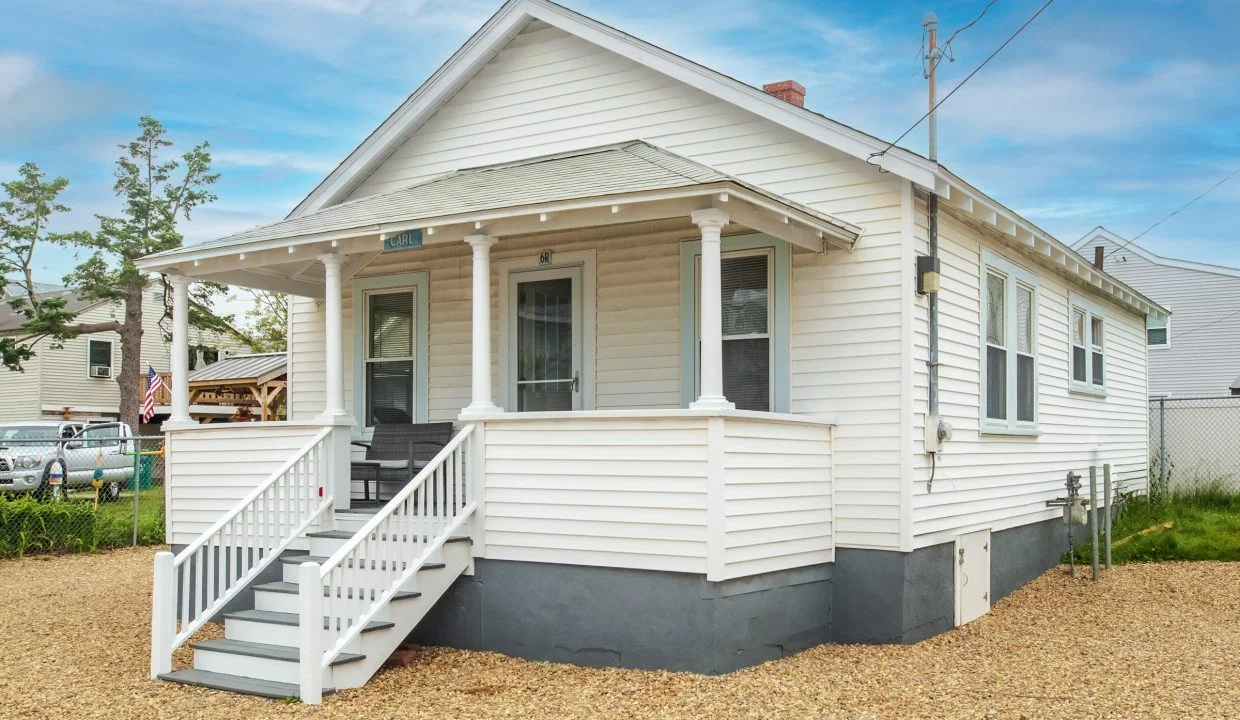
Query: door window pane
[(545, 345), (390, 367)]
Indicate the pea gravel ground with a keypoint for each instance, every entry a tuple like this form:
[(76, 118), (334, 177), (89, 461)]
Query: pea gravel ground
[(1150, 641)]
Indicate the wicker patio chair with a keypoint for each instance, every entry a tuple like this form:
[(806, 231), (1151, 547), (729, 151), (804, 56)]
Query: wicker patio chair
[(396, 452)]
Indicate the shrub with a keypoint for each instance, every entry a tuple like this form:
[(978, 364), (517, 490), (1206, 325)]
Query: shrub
[(28, 526)]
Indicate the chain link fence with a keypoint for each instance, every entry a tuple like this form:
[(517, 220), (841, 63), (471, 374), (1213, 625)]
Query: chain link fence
[(1194, 444), (100, 488)]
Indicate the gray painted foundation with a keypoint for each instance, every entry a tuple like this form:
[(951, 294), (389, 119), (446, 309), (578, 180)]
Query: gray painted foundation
[(611, 617)]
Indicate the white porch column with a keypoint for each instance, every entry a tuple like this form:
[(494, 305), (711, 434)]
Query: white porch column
[(334, 349), (481, 402), (180, 351), (710, 308)]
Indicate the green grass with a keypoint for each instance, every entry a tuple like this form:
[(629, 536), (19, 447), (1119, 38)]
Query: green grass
[(1205, 525), (28, 526)]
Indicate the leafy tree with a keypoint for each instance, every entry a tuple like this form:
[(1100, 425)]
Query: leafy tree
[(24, 218), (269, 318), (156, 194)]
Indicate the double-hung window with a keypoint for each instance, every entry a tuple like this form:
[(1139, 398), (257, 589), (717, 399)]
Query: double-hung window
[(1157, 332), (1087, 332), (1009, 346)]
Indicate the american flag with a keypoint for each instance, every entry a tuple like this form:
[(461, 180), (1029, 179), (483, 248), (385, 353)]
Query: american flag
[(153, 383)]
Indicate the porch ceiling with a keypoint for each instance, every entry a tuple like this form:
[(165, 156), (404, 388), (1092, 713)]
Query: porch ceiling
[(628, 183)]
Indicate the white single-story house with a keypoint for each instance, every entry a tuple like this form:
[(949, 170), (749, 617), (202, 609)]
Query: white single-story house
[(676, 323)]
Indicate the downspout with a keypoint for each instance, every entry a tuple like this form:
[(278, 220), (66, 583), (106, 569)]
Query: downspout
[(931, 24)]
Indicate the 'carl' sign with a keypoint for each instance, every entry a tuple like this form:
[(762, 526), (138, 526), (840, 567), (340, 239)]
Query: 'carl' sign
[(403, 240)]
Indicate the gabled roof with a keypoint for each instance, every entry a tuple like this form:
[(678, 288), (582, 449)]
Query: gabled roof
[(600, 174), (1092, 236), (510, 19), (258, 367), (11, 320)]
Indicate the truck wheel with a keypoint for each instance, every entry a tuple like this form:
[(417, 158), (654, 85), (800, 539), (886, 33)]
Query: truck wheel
[(111, 492)]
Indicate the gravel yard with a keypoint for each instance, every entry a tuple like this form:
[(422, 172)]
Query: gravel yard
[(1149, 641)]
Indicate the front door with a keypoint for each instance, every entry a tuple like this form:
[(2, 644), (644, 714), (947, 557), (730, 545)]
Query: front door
[(545, 346)]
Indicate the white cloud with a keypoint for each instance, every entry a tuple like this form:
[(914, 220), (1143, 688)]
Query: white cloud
[(274, 159), (1080, 92), (33, 98)]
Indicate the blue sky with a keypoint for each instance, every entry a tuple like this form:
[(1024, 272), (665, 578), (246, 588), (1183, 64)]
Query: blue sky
[(1099, 113)]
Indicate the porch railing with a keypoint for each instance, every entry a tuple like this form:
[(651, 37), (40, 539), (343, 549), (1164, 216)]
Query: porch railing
[(368, 570), (212, 570)]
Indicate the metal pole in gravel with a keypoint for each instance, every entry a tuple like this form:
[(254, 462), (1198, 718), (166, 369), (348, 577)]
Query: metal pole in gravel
[(1162, 445), (1106, 503), (1093, 516), (136, 447)]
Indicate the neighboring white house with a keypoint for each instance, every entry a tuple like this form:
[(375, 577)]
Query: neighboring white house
[(1196, 351), (78, 380), (675, 320)]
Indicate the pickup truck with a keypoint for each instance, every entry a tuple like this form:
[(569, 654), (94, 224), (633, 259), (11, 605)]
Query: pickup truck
[(28, 451)]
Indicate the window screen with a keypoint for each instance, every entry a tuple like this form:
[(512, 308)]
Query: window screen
[(996, 347), (389, 375), (1025, 385)]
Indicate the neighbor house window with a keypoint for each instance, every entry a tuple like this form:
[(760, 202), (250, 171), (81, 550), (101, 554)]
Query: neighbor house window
[(1087, 332), (1157, 332), (99, 358), (389, 356), (1009, 342)]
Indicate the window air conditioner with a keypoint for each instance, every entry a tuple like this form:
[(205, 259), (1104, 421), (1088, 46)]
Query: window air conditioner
[(100, 371)]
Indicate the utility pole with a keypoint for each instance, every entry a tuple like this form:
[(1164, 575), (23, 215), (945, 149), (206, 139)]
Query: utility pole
[(931, 24)]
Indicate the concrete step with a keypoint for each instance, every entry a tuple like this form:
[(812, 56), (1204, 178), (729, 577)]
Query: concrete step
[(236, 683)]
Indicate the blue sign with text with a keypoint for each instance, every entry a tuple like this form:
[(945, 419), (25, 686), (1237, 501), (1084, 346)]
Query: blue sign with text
[(403, 241)]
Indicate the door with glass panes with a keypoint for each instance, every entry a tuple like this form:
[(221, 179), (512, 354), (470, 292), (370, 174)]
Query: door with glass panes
[(389, 356), (746, 279), (545, 352)]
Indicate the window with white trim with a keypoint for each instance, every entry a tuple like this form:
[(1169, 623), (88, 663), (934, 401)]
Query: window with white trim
[(1087, 333), (746, 279), (1009, 346), (98, 358), (1157, 332)]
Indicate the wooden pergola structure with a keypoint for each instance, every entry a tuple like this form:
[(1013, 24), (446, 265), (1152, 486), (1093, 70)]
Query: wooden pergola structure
[(258, 381)]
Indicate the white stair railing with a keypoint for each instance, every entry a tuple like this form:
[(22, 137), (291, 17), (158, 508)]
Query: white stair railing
[(368, 570), (212, 570)]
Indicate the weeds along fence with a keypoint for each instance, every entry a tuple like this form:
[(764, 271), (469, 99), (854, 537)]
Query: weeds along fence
[(1194, 441), (100, 489)]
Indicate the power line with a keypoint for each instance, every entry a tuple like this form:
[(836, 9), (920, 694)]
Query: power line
[(962, 82), (1175, 212)]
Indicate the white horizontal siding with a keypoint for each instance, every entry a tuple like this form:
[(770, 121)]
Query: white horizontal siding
[(1205, 331), (611, 493), (211, 468), (1000, 481), (777, 496), (20, 391)]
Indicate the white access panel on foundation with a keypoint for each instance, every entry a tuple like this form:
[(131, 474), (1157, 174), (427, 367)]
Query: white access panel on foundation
[(972, 571)]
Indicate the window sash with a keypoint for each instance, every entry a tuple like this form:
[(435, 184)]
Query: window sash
[(746, 397), (1009, 346), (99, 352), (1157, 333), (1087, 370)]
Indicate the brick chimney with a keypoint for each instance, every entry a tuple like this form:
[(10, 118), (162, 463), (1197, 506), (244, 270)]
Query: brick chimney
[(1099, 256), (788, 91)]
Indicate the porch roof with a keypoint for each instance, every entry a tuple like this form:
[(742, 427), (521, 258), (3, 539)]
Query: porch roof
[(628, 182)]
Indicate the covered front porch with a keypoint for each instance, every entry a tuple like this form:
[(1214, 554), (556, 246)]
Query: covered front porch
[(614, 325)]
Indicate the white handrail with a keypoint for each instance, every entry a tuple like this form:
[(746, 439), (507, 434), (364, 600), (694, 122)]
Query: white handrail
[(222, 562), (369, 569)]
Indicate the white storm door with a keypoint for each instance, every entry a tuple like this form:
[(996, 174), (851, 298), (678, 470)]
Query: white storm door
[(545, 350)]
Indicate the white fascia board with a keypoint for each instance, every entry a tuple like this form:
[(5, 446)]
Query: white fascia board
[(1024, 233)]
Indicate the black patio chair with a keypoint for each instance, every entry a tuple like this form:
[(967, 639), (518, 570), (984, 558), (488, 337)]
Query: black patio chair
[(396, 452)]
